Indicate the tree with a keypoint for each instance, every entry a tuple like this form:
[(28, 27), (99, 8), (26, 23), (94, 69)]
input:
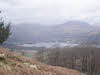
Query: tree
[(84, 66), (4, 31), (92, 64)]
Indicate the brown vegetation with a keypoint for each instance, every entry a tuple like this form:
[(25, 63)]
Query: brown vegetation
[(12, 64), (83, 59)]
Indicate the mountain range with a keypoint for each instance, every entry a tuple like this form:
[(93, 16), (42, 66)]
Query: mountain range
[(71, 31)]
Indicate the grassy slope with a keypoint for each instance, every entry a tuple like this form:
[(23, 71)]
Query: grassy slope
[(12, 64)]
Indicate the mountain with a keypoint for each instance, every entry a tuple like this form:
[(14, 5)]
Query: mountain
[(72, 31), (79, 32), (30, 33), (12, 64)]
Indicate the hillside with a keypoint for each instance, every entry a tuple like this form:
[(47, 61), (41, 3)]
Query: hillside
[(12, 64)]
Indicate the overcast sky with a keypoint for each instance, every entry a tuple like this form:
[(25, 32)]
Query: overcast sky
[(50, 11)]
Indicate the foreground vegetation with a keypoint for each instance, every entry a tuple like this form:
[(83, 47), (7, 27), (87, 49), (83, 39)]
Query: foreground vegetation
[(12, 64), (84, 59)]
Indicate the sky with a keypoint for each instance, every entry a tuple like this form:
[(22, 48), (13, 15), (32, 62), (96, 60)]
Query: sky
[(50, 12)]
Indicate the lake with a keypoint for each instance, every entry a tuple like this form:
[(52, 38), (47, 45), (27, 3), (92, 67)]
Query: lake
[(50, 44)]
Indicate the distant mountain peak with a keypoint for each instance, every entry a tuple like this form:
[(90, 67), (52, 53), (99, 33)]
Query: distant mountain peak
[(76, 23)]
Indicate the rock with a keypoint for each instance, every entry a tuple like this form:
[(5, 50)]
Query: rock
[(34, 66), (2, 57)]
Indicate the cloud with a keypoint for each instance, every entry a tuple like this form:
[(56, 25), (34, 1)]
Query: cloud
[(51, 11)]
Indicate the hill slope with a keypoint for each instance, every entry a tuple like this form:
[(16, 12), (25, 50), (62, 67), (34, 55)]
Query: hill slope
[(12, 64)]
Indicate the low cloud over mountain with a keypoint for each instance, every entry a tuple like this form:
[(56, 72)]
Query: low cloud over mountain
[(72, 31)]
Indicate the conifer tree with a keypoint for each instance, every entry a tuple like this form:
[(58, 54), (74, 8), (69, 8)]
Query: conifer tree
[(4, 31)]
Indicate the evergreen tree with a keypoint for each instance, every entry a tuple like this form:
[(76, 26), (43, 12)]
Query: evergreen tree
[(4, 31)]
